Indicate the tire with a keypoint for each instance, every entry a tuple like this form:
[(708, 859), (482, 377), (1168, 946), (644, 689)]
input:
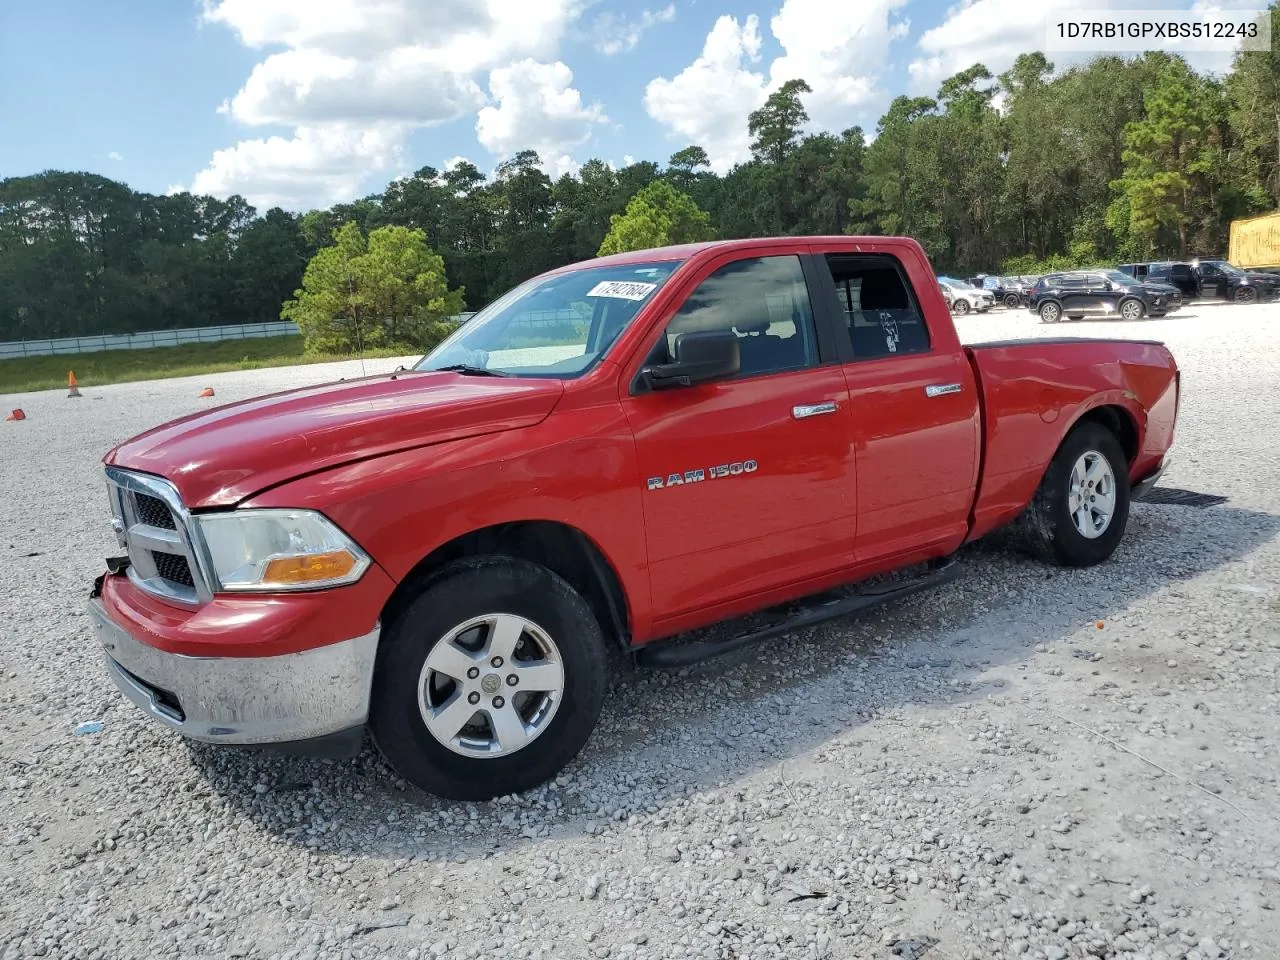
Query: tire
[(961, 307), (1055, 528), (526, 601), (1132, 310), (1011, 301), (1245, 295), (1050, 311)]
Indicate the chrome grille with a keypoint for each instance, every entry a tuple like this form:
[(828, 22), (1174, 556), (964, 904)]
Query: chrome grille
[(152, 524), (153, 512)]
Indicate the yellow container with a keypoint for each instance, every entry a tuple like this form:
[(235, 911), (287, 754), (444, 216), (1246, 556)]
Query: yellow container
[(1256, 242)]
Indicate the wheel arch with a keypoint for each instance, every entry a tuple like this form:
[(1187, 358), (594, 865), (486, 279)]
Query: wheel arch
[(561, 548), (1116, 418)]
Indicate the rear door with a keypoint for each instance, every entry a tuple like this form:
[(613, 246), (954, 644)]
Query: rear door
[(748, 481), (913, 402), (1213, 282), (1079, 296)]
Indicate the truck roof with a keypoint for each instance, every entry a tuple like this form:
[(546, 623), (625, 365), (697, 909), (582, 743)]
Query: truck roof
[(685, 251)]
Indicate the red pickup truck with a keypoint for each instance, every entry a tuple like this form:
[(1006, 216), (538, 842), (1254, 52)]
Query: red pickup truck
[(606, 459)]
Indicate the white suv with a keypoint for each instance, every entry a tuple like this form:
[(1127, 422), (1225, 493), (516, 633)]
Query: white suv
[(962, 298)]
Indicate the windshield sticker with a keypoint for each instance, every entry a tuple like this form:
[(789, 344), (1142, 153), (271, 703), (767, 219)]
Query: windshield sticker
[(622, 289)]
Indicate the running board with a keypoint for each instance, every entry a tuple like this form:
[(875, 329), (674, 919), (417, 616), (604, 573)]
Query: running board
[(678, 652)]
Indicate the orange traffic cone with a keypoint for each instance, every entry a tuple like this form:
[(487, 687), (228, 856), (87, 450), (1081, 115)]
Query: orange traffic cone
[(207, 392), (17, 415), (72, 389)]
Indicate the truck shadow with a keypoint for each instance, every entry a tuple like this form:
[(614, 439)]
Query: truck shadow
[(666, 736)]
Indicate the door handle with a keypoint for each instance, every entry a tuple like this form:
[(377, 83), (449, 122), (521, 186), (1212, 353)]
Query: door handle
[(804, 410), (941, 389)]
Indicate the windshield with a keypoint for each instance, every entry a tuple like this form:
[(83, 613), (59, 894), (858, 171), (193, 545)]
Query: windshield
[(552, 326)]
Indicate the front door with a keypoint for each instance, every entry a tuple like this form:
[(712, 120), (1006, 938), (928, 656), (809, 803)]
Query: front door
[(914, 409), (749, 481)]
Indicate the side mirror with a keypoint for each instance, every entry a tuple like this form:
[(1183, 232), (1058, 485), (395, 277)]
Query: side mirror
[(1110, 285), (699, 357)]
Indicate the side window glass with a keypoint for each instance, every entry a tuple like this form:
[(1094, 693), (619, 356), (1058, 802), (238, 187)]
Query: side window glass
[(882, 316), (764, 302)]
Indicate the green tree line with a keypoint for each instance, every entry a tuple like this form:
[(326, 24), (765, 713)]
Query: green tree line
[(1116, 159)]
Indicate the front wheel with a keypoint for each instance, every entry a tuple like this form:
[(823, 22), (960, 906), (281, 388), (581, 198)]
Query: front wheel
[(961, 307), (489, 682), (1050, 312), (1132, 310), (1079, 514)]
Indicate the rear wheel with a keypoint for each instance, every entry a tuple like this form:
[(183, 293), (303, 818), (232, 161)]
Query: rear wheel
[(1079, 514), (1011, 301), (1245, 295), (1050, 312), (490, 680)]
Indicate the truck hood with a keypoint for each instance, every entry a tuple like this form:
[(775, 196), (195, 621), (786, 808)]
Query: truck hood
[(218, 457)]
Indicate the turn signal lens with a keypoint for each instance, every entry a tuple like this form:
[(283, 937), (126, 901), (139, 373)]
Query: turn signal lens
[(314, 568)]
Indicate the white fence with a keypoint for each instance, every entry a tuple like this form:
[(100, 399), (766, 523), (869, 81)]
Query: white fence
[(157, 338), (139, 341)]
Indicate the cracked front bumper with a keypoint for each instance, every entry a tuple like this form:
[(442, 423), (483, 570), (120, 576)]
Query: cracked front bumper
[(317, 697)]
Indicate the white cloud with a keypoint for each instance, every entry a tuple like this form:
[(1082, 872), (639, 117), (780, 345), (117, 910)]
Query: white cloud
[(991, 32), (616, 33), (537, 109), (453, 162), (356, 77), (708, 101), (115, 155), (311, 86), (995, 32), (839, 49), (319, 165)]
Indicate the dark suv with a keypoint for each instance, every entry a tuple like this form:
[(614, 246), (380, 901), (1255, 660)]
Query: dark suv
[(1100, 293), (1215, 280)]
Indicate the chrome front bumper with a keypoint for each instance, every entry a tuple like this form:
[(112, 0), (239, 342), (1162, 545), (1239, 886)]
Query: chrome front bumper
[(286, 699)]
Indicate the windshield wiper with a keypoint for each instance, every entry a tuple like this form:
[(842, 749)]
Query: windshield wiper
[(470, 371)]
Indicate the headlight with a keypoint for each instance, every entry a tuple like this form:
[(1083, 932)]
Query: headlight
[(270, 550)]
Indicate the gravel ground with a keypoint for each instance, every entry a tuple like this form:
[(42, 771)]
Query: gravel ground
[(1028, 762)]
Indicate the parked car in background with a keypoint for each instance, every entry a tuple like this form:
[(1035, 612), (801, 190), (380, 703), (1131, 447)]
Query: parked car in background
[(453, 556), (1013, 292), (964, 297), (1100, 293), (1216, 280)]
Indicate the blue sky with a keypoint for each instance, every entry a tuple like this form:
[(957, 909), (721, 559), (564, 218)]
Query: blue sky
[(304, 103)]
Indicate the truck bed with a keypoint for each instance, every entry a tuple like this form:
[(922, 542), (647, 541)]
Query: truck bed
[(1032, 391)]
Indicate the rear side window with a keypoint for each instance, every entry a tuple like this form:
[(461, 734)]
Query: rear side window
[(1158, 272), (881, 315)]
